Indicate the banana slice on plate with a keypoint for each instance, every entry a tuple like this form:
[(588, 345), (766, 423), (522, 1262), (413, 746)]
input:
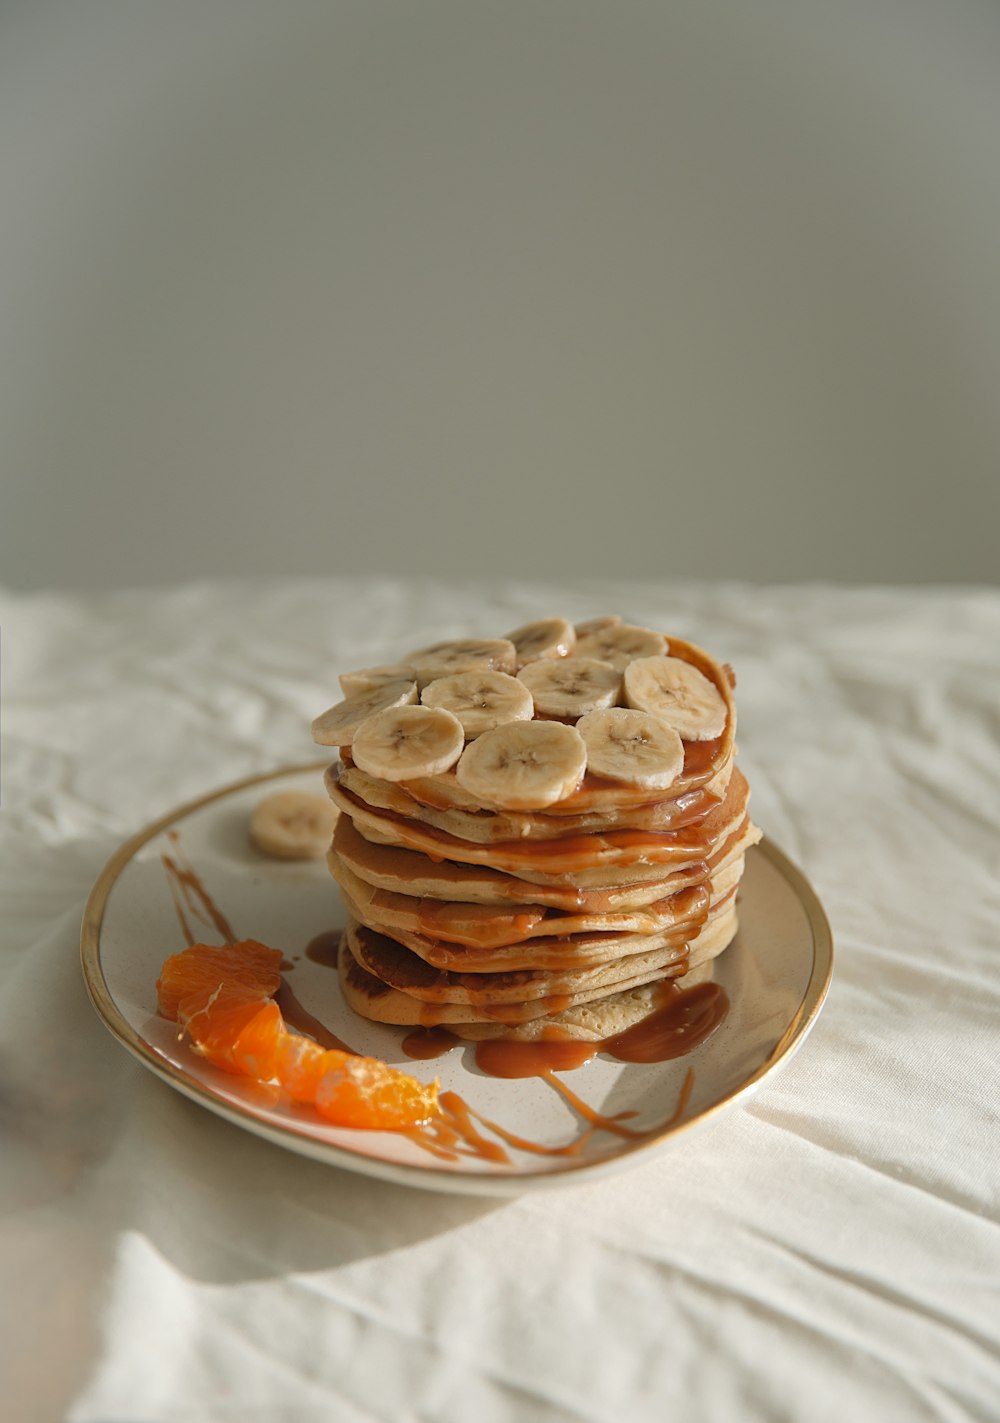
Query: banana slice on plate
[(293, 825), (632, 746), (548, 637), (369, 679), (447, 659), (480, 700), (620, 643), (678, 694), (400, 743), (571, 686), (525, 765), (338, 725)]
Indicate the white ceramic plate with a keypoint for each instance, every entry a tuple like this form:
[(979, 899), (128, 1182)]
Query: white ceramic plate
[(776, 973)]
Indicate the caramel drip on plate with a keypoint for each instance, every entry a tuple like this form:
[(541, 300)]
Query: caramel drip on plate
[(189, 892), (503, 1057), (425, 1043), (684, 1018), (303, 1021), (597, 1119), (325, 948), (453, 1133)]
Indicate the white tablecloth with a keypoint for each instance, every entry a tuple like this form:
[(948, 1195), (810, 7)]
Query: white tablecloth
[(829, 1251)]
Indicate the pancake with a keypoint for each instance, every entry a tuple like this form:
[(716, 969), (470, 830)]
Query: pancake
[(488, 827), (389, 960), (380, 1002), (584, 861), (412, 872), (585, 949), (486, 927)]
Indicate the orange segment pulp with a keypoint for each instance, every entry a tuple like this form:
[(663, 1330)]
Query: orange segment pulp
[(234, 1027), (366, 1092), (203, 967), (298, 1067)]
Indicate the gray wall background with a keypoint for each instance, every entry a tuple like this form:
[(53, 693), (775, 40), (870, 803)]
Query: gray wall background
[(557, 287)]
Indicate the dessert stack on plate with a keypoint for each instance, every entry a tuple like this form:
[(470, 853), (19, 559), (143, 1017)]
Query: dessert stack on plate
[(535, 831)]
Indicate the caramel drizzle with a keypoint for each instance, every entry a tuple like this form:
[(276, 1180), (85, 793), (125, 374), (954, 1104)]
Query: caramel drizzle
[(453, 1133), (299, 1018), (597, 1119), (188, 891)]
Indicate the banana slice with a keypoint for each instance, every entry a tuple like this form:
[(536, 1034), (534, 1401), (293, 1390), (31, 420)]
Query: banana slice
[(447, 659), (525, 765), (678, 694), (338, 725), (402, 742), (480, 700), (293, 825), (571, 686), (369, 679), (621, 643), (549, 637), (610, 620), (632, 746)]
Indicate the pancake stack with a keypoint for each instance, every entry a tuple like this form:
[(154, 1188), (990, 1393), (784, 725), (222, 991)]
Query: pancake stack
[(535, 831)]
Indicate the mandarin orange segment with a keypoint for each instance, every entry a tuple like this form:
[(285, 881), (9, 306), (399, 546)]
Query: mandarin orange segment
[(256, 1052), (298, 1066), (216, 1023), (221, 996), (203, 967), (366, 1092)]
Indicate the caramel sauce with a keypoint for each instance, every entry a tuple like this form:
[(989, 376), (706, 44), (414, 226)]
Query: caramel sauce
[(557, 1003), (423, 793), (596, 1119), (492, 929), (324, 948), (699, 756), (502, 1057), (461, 1115), (453, 1133), (189, 893), (685, 1018), (520, 1143), (299, 1018), (425, 1043), (578, 801)]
